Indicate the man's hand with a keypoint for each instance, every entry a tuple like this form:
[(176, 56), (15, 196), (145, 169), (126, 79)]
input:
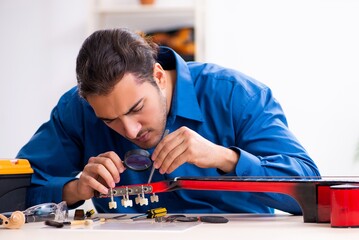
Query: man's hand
[(100, 173), (185, 145)]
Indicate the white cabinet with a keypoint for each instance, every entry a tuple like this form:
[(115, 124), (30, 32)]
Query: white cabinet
[(161, 16)]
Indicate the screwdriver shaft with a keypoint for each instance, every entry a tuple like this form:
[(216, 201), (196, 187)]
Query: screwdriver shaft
[(153, 166)]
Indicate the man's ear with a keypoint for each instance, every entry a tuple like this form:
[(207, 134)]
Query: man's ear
[(159, 76)]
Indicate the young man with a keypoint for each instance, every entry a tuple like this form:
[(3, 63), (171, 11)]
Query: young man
[(129, 92)]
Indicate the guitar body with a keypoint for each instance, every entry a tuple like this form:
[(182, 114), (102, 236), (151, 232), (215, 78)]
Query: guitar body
[(313, 194)]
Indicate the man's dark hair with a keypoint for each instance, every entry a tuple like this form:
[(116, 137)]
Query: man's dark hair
[(107, 55)]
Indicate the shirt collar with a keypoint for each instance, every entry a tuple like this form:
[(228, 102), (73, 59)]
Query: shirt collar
[(184, 99)]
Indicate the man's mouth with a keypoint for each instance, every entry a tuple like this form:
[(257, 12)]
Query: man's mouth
[(143, 137)]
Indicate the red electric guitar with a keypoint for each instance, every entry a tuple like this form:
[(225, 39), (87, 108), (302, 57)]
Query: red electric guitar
[(313, 194)]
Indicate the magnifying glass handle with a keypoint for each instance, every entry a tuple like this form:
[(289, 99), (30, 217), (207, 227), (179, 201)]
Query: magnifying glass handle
[(153, 166)]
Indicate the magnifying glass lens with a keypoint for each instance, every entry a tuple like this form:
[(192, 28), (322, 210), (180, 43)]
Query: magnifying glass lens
[(138, 160)]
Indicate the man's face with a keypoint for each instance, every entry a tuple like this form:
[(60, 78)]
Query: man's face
[(136, 111)]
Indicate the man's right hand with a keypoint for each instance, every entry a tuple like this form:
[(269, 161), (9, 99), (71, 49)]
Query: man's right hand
[(100, 173)]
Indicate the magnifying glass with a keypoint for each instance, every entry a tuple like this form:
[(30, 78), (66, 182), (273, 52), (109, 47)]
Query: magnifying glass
[(137, 160), (140, 159)]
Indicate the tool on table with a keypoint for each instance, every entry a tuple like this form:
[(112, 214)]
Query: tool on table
[(114, 218), (53, 223), (206, 219), (47, 211), (173, 218), (15, 221), (82, 222), (80, 218), (152, 213), (90, 213)]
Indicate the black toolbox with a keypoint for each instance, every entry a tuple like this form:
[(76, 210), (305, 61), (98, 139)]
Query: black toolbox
[(15, 177)]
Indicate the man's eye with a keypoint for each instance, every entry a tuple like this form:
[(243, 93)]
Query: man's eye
[(138, 109), (108, 121)]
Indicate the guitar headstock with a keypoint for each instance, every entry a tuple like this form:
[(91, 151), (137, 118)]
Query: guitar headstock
[(141, 190)]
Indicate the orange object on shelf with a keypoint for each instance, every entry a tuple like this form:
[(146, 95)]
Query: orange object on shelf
[(181, 40), (147, 2)]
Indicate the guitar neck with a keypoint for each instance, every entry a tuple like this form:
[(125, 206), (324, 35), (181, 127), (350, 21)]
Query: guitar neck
[(311, 193)]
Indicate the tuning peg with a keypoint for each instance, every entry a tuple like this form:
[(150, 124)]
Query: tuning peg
[(154, 198), (143, 201), (126, 203), (112, 205), (138, 199)]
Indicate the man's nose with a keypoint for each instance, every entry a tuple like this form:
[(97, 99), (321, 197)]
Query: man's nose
[(132, 129)]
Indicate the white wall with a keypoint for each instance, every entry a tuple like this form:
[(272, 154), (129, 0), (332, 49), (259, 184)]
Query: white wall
[(38, 46), (305, 50)]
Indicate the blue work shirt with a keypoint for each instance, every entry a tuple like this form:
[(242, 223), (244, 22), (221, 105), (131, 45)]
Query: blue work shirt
[(223, 105)]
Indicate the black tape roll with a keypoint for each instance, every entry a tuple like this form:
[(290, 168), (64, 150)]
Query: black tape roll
[(213, 219)]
